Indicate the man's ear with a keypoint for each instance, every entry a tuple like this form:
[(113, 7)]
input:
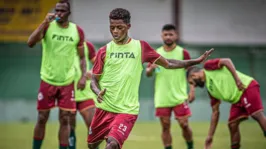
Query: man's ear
[(128, 26)]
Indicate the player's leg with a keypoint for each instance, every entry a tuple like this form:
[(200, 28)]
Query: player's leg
[(64, 128), (164, 114), (235, 134), (72, 136), (87, 110), (182, 113), (44, 104), (261, 119), (186, 131), (237, 114), (67, 104), (253, 104), (121, 127), (166, 134), (39, 130)]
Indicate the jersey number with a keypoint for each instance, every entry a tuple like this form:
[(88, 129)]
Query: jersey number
[(122, 127)]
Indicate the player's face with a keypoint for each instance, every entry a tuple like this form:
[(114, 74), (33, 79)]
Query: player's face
[(119, 29), (195, 80), (62, 11), (169, 37)]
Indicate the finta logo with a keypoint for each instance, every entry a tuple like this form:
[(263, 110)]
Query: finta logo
[(122, 55), (62, 38)]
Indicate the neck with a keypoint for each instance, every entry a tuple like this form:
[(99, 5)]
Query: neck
[(64, 24), (124, 41), (169, 48)]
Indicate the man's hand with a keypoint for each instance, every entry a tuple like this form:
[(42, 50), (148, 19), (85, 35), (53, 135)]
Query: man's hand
[(191, 96), (82, 83), (240, 85), (204, 56), (49, 17), (208, 142), (100, 95)]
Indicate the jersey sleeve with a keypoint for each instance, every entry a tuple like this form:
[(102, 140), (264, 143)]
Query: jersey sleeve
[(91, 48), (99, 61), (213, 101), (186, 55), (81, 36), (148, 53), (212, 64)]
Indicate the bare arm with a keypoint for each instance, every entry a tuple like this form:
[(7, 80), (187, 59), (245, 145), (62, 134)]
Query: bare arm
[(38, 33), (214, 122), (149, 70), (89, 73), (231, 67), (95, 84), (191, 94), (95, 87), (82, 81), (214, 119), (175, 64)]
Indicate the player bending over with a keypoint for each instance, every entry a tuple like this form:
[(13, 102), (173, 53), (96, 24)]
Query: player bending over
[(116, 78), (171, 89), (225, 83)]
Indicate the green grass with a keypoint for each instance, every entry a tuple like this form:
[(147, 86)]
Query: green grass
[(143, 136)]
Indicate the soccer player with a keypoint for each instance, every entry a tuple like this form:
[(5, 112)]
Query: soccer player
[(84, 98), (116, 78), (61, 41), (225, 83), (171, 89)]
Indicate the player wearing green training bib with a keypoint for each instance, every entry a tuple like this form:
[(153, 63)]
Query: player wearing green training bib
[(116, 78), (61, 42), (84, 98), (171, 89), (225, 83)]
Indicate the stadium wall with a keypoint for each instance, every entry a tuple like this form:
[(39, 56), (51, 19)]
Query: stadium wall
[(19, 80)]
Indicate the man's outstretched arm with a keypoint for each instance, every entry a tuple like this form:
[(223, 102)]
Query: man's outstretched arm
[(175, 64)]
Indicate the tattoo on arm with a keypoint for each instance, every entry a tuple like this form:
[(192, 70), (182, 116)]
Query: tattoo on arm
[(83, 65), (173, 64), (95, 84)]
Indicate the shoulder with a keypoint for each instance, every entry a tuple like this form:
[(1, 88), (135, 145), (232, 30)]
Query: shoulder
[(89, 44), (212, 64)]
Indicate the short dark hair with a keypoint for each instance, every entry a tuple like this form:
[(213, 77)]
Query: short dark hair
[(192, 69), (168, 27), (65, 1), (120, 13)]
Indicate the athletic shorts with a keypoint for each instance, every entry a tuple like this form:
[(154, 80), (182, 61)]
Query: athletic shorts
[(180, 111), (249, 104), (50, 96), (83, 105), (107, 124)]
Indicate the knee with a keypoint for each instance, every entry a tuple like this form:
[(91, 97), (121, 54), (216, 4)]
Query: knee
[(166, 128), (184, 125), (112, 145), (42, 119), (64, 120), (73, 121), (232, 126)]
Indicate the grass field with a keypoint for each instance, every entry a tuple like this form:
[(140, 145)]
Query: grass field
[(144, 136)]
